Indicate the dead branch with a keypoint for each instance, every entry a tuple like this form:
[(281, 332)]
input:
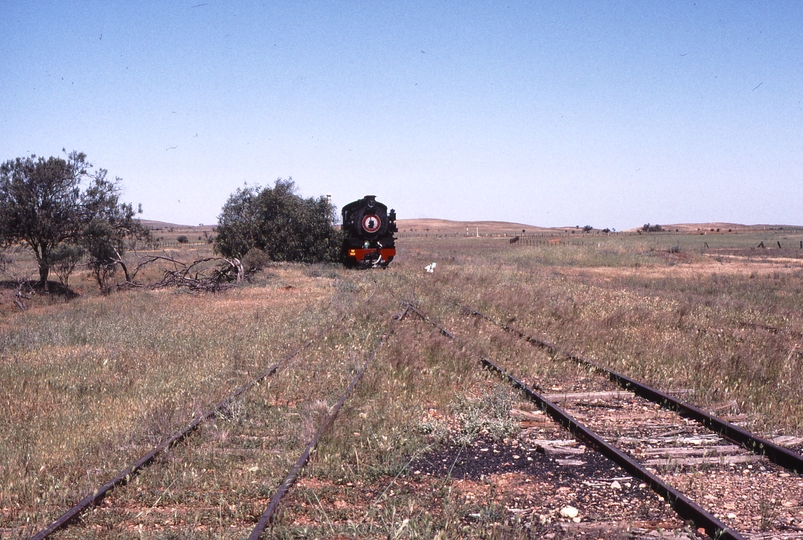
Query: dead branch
[(194, 275), (24, 289)]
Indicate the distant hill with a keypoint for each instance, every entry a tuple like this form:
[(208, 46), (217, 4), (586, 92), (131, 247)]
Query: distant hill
[(162, 225), (445, 226), (718, 226)]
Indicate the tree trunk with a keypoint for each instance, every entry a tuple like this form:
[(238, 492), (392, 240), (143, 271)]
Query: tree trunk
[(125, 270), (121, 263), (44, 271)]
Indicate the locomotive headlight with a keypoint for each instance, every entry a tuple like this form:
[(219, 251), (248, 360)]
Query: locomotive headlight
[(352, 253)]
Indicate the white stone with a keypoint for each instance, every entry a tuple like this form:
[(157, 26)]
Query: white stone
[(569, 512)]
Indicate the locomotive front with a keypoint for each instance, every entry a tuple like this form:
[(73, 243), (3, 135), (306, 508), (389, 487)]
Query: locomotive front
[(368, 229)]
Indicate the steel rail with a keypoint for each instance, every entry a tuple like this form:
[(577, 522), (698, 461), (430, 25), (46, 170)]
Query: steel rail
[(775, 453), (267, 515), (124, 476), (685, 507), (682, 505)]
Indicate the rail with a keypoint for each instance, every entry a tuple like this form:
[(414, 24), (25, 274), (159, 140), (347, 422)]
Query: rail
[(683, 506), (758, 445)]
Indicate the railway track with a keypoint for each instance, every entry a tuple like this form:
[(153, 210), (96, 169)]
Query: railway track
[(774, 452), (221, 410), (125, 476), (722, 479), (270, 511)]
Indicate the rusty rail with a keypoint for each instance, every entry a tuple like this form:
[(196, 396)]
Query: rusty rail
[(124, 476), (758, 445), (683, 506), (267, 516)]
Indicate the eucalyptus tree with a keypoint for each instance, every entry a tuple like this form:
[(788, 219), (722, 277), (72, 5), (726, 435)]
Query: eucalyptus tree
[(52, 203)]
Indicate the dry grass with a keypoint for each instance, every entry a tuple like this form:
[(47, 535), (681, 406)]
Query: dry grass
[(88, 385)]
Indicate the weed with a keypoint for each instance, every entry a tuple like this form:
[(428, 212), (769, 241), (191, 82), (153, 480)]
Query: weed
[(487, 415)]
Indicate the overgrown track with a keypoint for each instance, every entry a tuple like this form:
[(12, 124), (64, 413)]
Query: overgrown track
[(125, 476), (613, 414), (267, 516), (128, 473)]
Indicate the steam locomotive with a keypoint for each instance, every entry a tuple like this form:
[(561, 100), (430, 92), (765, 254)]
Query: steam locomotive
[(368, 228)]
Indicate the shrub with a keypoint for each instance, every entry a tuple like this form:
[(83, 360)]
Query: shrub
[(255, 260), (63, 260), (280, 223)]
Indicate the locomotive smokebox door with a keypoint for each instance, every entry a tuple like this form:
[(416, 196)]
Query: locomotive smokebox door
[(368, 228), (371, 223)]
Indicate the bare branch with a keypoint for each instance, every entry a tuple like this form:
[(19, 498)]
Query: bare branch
[(193, 275)]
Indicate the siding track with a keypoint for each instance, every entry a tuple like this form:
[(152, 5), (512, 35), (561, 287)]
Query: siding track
[(774, 452), (220, 409), (670, 436), (125, 476)]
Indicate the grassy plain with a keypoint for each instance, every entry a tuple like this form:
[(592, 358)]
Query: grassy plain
[(89, 384)]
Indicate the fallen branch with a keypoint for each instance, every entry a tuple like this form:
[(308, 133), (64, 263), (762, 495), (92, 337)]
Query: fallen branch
[(21, 295), (196, 276)]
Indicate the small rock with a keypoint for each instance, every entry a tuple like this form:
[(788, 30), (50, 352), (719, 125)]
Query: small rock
[(616, 485), (569, 512), (731, 516)]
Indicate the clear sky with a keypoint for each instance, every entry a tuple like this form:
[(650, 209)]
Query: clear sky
[(611, 114)]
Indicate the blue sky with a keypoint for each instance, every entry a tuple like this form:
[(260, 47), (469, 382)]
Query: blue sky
[(612, 114)]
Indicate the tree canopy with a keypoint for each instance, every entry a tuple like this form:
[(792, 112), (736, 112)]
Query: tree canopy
[(56, 202), (279, 222)]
